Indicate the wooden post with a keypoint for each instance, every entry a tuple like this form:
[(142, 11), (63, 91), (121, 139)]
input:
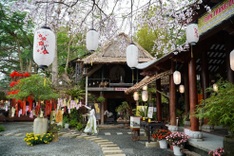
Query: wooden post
[(158, 100), (192, 93)]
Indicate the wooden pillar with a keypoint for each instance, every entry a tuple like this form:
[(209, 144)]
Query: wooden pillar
[(186, 93), (230, 73), (204, 74), (192, 93), (172, 98), (158, 100)]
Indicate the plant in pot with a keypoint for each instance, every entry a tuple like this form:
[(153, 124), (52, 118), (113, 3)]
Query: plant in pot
[(40, 88), (177, 140), (123, 110), (160, 135), (66, 121), (218, 108)]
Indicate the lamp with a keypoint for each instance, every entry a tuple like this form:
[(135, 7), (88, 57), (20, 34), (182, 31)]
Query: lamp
[(232, 59), (181, 88), (92, 40), (44, 47), (136, 96), (144, 95), (145, 87), (215, 87), (177, 77), (192, 35), (132, 50), (132, 55)]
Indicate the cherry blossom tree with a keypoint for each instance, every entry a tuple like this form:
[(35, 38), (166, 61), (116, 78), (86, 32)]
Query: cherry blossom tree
[(167, 18)]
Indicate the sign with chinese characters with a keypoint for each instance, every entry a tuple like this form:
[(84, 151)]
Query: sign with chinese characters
[(218, 14)]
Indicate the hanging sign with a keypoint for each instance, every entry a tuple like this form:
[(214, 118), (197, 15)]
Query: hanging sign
[(220, 13)]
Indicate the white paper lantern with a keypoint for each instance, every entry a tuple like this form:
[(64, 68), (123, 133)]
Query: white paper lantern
[(181, 88), (232, 60), (144, 95), (44, 47), (177, 77), (132, 55), (215, 87), (145, 87), (136, 96), (92, 40), (192, 34)]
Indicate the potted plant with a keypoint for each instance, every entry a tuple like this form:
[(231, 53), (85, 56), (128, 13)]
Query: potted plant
[(218, 108), (123, 111), (160, 135), (177, 140), (54, 129), (66, 121), (218, 152)]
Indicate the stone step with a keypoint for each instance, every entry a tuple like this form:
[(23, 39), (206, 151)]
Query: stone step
[(122, 154), (104, 143), (112, 151), (110, 148), (19, 134), (108, 145), (190, 153)]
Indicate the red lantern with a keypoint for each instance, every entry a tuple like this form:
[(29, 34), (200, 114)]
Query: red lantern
[(44, 47)]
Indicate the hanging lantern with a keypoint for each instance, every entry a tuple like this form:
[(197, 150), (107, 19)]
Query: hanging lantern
[(177, 77), (136, 96), (215, 87), (44, 47), (132, 55), (92, 40), (192, 34), (232, 60), (181, 88), (144, 95), (145, 87)]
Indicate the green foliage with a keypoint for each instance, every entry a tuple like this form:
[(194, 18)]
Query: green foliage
[(54, 128), (80, 126), (100, 99), (74, 118), (16, 42), (219, 107), (37, 86), (123, 109), (76, 92), (2, 96), (2, 128), (32, 139)]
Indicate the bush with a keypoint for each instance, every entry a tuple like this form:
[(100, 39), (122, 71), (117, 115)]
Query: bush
[(2, 128), (79, 126), (32, 139)]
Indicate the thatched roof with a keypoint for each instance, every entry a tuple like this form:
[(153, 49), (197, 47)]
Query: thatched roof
[(115, 52)]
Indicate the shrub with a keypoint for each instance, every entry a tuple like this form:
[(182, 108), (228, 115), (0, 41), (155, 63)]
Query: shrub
[(32, 139), (2, 128)]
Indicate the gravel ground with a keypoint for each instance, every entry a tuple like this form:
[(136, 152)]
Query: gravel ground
[(15, 145)]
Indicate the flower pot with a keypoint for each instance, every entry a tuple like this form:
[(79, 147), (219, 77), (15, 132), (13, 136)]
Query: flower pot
[(177, 151), (163, 144), (66, 125), (40, 125), (55, 138)]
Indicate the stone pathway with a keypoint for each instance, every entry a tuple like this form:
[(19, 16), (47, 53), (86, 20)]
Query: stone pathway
[(108, 148)]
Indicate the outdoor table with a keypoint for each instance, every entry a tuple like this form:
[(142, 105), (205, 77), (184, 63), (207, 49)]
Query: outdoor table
[(149, 127)]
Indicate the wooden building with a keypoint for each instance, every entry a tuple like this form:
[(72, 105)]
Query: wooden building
[(201, 65), (108, 75)]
